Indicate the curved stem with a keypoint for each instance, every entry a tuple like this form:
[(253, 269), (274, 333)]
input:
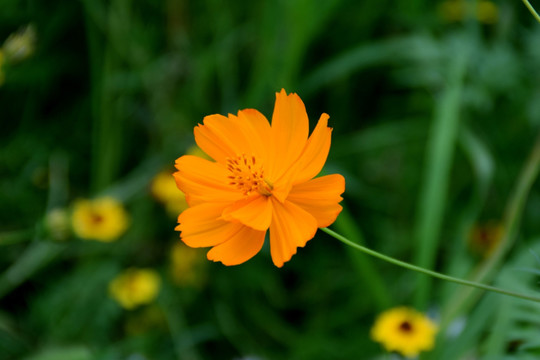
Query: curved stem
[(426, 271), (531, 9)]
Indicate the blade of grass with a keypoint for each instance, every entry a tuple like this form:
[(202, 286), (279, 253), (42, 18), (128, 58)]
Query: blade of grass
[(482, 165), (37, 255), (106, 129), (440, 149)]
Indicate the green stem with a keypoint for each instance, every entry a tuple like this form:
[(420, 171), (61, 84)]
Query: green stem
[(374, 283), (531, 9), (426, 271)]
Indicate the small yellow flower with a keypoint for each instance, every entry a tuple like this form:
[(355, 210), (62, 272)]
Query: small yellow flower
[(186, 265), (20, 45), (485, 238), (484, 11), (487, 12), (102, 219), (405, 331), (164, 189), (135, 287), (452, 10)]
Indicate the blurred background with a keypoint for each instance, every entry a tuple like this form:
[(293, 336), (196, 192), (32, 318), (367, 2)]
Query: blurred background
[(435, 107)]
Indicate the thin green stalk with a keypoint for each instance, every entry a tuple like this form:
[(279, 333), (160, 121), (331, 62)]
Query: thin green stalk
[(374, 283), (426, 271), (531, 9)]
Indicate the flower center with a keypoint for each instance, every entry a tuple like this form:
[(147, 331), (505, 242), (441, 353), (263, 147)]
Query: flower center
[(406, 327), (96, 218), (248, 176)]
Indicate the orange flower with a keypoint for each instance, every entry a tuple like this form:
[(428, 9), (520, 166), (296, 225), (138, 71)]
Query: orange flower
[(262, 179)]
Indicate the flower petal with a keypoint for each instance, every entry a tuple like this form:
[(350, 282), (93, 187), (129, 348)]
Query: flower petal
[(290, 128), (315, 153), (202, 180), (256, 130), (320, 197), (239, 248), (221, 137), (201, 226), (291, 227), (254, 211)]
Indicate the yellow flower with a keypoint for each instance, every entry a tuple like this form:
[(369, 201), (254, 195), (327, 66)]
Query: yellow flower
[(487, 12), (452, 10), (484, 11), (262, 179), (484, 239), (20, 45), (135, 287), (186, 265), (164, 189), (405, 331), (102, 219)]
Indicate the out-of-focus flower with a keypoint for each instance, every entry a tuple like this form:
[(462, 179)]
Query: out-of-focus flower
[(58, 224), (405, 331), (263, 178), (103, 219), (196, 151), (187, 265), (485, 238), (487, 12), (135, 287), (484, 11), (164, 189), (20, 45)]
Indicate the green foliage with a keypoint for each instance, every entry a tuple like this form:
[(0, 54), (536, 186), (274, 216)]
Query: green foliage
[(433, 122)]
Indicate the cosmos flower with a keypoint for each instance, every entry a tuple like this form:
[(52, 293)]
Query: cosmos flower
[(405, 331), (103, 219), (135, 287), (262, 178)]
